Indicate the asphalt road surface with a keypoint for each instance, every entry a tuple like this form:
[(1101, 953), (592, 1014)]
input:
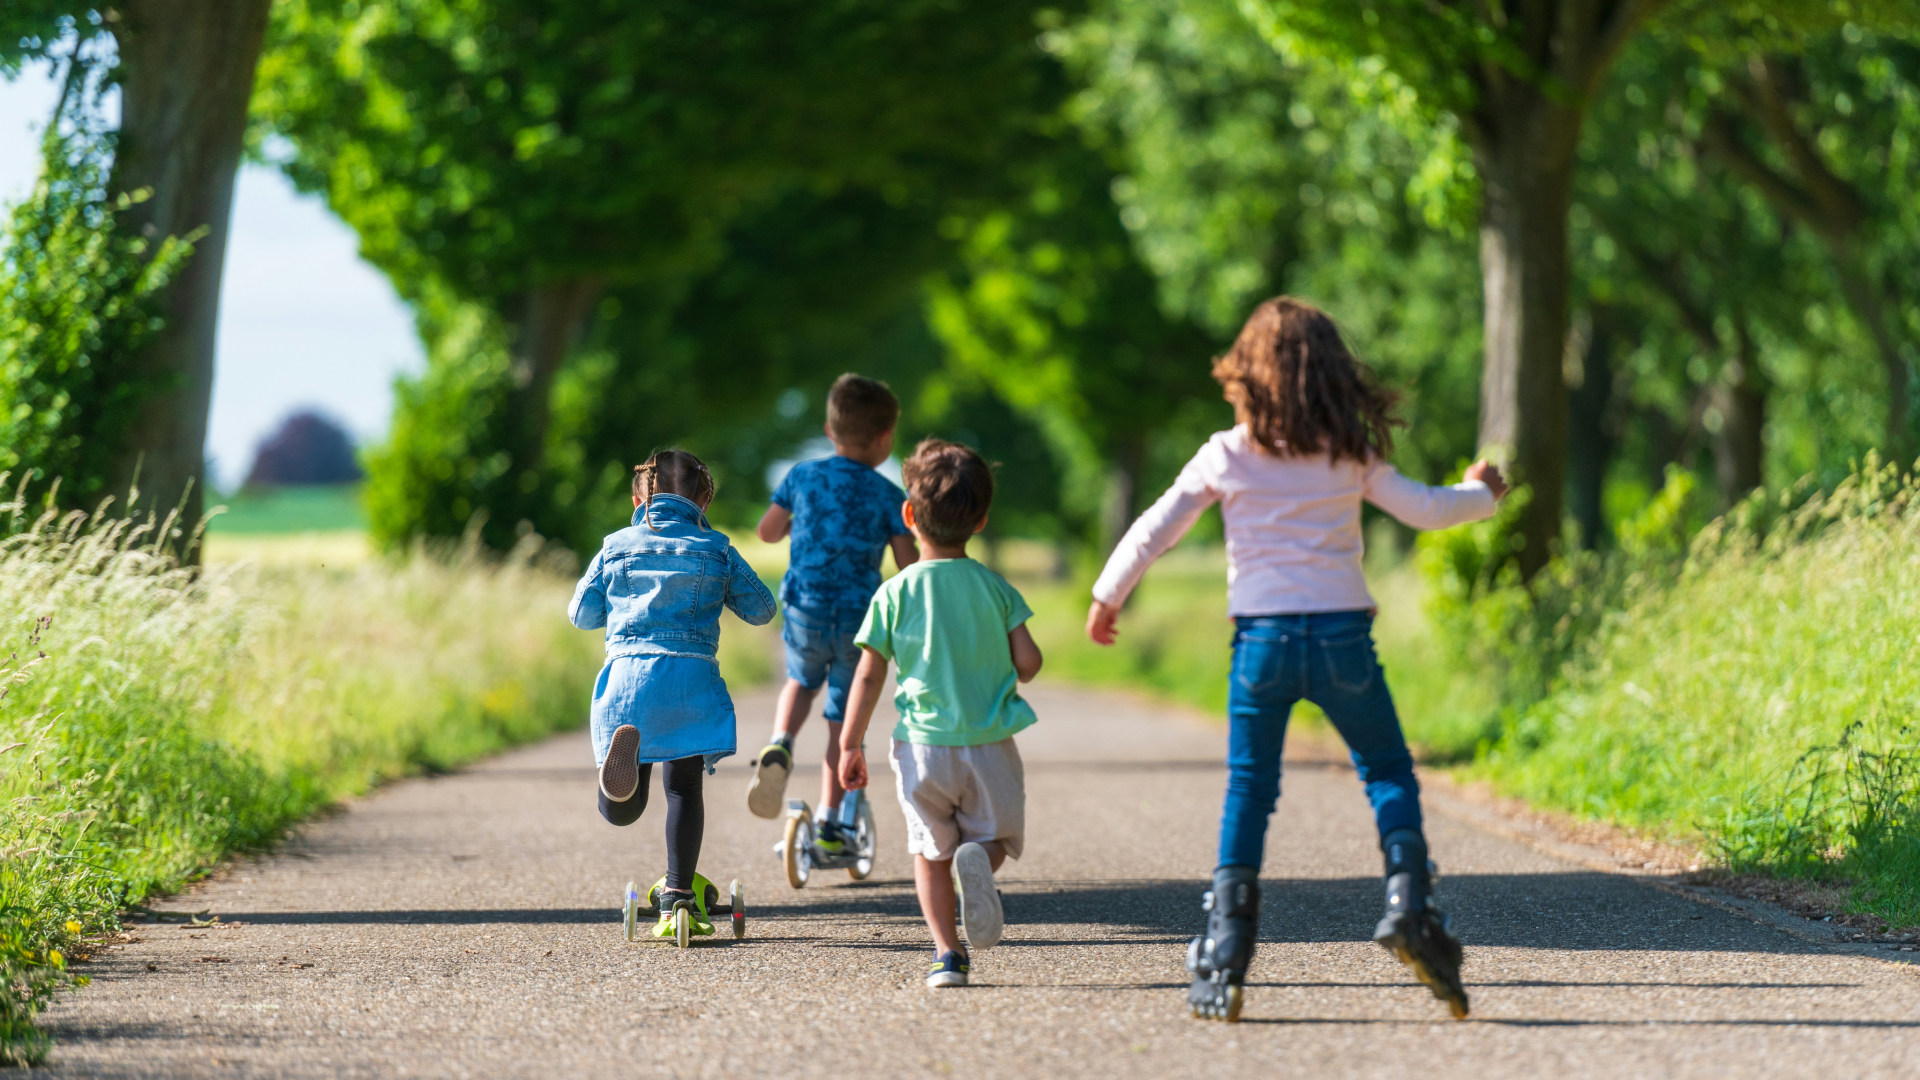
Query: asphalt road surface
[(467, 925)]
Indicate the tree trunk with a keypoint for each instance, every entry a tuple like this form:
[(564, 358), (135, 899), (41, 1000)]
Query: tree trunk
[(1823, 201), (554, 319), (1524, 149), (186, 76), (1740, 399), (1123, 492), (1590, 444), (1864, 297)]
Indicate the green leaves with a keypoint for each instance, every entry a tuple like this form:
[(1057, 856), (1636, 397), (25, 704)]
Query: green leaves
[(77, 301), (751, 186)]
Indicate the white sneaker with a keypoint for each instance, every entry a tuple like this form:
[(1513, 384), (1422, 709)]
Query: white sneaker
[(980, 916), (768, 791)]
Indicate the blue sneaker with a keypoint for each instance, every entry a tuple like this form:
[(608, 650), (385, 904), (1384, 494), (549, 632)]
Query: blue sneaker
[(949, 970)]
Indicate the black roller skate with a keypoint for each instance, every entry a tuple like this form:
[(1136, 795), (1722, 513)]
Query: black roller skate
[(1414, 929), (1219, 959)]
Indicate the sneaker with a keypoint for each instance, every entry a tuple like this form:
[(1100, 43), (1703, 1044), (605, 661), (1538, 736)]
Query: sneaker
[(980, 916), (830, 836), (949, 970), (667, 899), (768, 791), (620, 773)]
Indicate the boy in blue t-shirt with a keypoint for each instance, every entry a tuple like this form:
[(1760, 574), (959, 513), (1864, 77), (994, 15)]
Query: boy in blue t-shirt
[(842, 516)]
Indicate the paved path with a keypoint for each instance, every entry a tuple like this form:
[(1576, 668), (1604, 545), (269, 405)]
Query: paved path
[(466, 926)]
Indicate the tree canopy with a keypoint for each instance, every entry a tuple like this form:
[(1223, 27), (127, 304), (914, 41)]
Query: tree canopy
[(1608, 238)]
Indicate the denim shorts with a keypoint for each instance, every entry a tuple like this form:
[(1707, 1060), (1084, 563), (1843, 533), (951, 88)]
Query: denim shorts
[(820, 651)]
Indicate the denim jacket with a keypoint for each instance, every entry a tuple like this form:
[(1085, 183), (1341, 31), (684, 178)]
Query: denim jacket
[(658, 585)]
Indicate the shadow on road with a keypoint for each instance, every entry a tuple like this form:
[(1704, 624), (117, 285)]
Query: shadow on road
[(1580, 911)]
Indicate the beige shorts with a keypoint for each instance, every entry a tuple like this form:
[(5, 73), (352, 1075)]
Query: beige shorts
[(953, 795)]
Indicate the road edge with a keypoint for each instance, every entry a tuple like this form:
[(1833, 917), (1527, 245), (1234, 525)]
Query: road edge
[(1594, 857)]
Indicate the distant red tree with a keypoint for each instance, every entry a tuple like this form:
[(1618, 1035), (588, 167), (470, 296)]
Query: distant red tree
[(307, 449)]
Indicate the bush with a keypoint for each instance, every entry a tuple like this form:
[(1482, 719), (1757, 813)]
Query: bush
[(156, 718), (78, 300), (1759, 698), (1522, 636)]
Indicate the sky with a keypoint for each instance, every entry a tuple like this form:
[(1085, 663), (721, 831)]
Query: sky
[(304, 323)]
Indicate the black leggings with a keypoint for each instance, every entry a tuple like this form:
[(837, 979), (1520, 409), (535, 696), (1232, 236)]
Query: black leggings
[(686, 815)]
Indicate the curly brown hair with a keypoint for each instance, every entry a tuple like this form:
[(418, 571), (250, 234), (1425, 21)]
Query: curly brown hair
[(1291, 378), (951, 488)]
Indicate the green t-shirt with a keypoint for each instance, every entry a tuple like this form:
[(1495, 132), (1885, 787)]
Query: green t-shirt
[(945, 623)]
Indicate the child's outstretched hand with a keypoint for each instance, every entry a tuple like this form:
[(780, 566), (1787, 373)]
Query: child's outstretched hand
[(1100, 623), (853, 768), (1489, 474)]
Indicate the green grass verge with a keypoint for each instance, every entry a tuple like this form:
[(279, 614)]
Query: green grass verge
[(329, 508), (155, 720), (1764, 702)]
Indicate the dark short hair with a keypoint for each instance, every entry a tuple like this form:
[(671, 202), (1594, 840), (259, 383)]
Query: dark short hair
[(860, 410), (951, 488), (673, 472)]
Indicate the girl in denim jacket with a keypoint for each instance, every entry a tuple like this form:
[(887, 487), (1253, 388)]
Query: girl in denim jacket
[(658, 586), (1312, 435)]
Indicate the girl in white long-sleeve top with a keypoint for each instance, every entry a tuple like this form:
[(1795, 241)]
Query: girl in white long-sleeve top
[(1310, 443)]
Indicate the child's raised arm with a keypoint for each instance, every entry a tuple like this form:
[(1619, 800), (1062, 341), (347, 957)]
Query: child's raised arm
[(1426, 507), (588, 610), (1161, 527), (747, 595)]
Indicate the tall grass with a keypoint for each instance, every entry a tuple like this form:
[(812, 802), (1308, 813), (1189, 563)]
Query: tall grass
[(155, 718), (1764, 700)]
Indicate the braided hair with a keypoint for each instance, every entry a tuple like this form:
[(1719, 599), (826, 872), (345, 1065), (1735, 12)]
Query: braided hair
[(673, 472)]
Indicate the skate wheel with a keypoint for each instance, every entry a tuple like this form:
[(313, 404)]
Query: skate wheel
[(1231, 1013), (737, 901), (631, 911), (798, 850), (682, 927), (864, 844)]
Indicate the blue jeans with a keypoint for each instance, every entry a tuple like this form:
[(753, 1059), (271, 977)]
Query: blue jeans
[(820, 651), (1326, 658)]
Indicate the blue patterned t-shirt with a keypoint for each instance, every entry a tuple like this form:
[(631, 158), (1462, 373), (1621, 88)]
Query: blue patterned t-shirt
[(843, 515)]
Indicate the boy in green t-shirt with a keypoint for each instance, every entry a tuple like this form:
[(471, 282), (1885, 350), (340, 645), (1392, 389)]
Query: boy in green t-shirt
[(961, 784)]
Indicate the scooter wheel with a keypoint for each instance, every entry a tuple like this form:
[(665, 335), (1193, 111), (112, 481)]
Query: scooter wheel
[(864, 843), (630, 913), (737, 900), (682, 927), (798, 850)]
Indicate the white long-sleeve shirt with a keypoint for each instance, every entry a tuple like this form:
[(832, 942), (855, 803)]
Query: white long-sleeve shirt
[(1292, 523)]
